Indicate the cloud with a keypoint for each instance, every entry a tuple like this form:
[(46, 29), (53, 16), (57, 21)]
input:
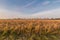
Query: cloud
[(55, 13), (6, 13), (13, 13), (56, 1), (29, 4), (46, 3), (10, 14)]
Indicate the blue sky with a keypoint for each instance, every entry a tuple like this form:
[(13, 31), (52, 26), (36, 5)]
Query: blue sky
[(29, 8)]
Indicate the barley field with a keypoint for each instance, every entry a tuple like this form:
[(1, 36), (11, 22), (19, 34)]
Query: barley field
[(29, 29)]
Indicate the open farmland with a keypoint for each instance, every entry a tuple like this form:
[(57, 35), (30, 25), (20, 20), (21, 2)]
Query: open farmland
[(29, 29)]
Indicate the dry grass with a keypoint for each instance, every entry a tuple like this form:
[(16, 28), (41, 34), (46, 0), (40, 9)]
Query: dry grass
[(29, 29)]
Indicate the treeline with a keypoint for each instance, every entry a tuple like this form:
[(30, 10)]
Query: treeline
[(38, 18)]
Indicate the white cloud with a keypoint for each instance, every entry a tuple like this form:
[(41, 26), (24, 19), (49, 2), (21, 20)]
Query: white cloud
[(29, 3), (46, 3), (4, 13), (55, 13), (9, 13)]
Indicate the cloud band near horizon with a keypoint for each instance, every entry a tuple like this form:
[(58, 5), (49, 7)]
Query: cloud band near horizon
[(29, 8)]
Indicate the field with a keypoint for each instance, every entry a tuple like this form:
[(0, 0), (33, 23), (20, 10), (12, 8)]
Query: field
[(27, 29)]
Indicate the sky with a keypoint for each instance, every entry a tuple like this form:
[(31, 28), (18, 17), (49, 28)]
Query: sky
[(29, 9)]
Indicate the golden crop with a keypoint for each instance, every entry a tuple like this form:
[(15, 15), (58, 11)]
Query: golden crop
[(29, 29)]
